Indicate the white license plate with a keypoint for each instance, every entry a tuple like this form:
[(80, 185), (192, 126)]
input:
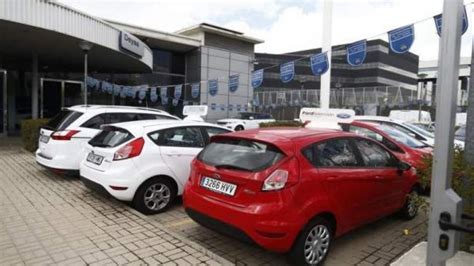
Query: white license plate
[(94, 158), (44, 138), (218, 186)]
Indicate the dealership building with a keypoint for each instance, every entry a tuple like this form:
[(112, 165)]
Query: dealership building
[(43, 49)]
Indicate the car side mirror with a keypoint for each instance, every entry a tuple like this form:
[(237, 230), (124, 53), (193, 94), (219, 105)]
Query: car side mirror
[(403, 166)]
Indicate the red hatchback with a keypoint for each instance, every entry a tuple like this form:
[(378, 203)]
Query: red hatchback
[(293, 190)]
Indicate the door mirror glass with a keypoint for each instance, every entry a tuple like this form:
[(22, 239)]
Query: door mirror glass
[(403, 166)]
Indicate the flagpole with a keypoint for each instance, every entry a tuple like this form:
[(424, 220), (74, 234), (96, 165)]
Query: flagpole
[(326, 47)]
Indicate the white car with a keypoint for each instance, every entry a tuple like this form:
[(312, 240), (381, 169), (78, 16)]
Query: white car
[(145, 162), (246, 120), (408, 128), (62, 140)]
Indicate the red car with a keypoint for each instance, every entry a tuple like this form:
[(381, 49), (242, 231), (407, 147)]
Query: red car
[(294, 190), (404, 146)]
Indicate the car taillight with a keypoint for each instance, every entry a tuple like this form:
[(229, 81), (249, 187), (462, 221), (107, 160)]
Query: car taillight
[(130, 150), (64, 135), (276, 180)]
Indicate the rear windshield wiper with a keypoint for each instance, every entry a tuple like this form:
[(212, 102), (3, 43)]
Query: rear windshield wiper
[(230, 166), (100, 145)]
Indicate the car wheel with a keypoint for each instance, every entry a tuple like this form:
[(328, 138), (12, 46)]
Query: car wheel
[(154, 196), (239, 128), (312, 245), (410, 208)]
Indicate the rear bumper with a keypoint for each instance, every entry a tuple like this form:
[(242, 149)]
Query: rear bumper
[(47, 163), (66, 162), (273, 228), (123, 177)]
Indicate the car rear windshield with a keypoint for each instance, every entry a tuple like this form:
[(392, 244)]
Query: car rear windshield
[(62, 120), (240, 154), (111, 137)]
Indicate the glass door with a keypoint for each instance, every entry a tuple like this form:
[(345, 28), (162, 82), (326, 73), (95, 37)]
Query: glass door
[(3, 102), (72, 94)]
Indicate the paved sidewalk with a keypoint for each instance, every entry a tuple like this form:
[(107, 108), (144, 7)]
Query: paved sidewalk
[(47, 219)]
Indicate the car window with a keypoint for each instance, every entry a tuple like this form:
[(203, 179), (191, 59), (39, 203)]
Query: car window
[(335, 153), (181, 137), (62, 120), (366, 133), (212, 131), (95, 122), (401, 137), (111, 137), (374, 155)]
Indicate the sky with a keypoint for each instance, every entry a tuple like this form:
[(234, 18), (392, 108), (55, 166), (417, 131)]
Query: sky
[(285, 25)]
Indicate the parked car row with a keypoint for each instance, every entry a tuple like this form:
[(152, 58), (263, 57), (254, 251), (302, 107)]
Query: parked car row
[(290, 190)]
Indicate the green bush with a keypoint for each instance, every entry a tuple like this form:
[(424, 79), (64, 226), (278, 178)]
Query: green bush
[(30, 133), (462, 181), (282, 123)]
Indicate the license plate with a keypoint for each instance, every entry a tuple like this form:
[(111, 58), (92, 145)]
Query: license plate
[(218, 186), (44, 138), (95, 159)]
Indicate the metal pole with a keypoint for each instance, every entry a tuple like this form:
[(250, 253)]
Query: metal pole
[(5, 103), (442, 245), (327, 30), (85, 77), (34, 87)]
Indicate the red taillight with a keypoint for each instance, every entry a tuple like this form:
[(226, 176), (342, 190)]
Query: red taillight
[(285, 176), (64, 135), (130, 150)]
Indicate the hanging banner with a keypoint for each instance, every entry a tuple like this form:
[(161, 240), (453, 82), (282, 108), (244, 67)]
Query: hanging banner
[(178, 89), (131, 91), (356, 53), (438, 22), (153, 95), (233, 82), (92, 83), (213, 106), (164, 95), (117, 89), (319, 63), (142, 93), (123, 92), (195, 90), (287, 71), (231, 107), (257, 78), (401, 39), (107, 87), (213, 87)]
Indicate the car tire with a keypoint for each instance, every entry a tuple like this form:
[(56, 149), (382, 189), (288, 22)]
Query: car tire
[(239, 128), (316, 237), (154, 196), (410, 208)]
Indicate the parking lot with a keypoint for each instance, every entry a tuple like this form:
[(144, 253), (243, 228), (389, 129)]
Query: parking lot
[(46, 219)]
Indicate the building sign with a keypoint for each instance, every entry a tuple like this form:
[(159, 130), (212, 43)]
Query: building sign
[(131, 44), (327, 115)]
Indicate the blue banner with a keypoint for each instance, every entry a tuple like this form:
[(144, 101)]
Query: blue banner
[(319, 63), (195, 90), (234, 82), (287, 71), (213, 87), (401, 39), (257, 78), (107, 87), (117, 90), (131, 91), (213, 106), (142, 93), (439, 21), (92, 83), (153, 95), (356, 53), (123, 92), (164, 95), (178, 90)]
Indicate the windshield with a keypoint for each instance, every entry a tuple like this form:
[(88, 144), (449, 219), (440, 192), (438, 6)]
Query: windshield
[(461, 132), (402, 137), (240, 154), (111, 137), (419, 130), (62, 120)]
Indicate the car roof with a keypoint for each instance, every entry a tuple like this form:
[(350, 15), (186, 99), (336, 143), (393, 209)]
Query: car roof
[(83, 108), (139, 127), (377, 118)]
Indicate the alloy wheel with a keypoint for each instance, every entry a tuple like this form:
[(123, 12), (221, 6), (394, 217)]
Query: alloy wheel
[(157, 196), (317, 244)]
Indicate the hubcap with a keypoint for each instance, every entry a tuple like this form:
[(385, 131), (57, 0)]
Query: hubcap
[(317, 244), (157, 196)]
